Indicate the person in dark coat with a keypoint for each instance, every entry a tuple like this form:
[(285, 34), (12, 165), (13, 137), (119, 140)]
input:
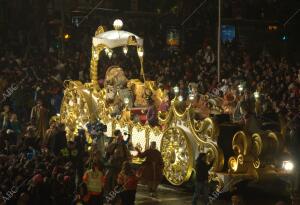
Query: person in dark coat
[(201, 181), (152, 168), (59, 140), (117, 153), (128, 180)]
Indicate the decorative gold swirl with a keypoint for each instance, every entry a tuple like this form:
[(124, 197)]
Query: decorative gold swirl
[(99, 30), (220, 183), (94, 64), (177, 155)]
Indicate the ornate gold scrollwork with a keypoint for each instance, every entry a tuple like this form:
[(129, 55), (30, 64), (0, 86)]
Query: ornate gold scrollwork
[(247, 150), (77, 108), (99, 30), (206, 133), (266, 145), (131, 41), (94, 64), (177, 155), (220, 183)]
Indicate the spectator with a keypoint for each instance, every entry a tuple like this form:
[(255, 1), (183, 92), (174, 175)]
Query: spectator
[(128, 180), (201, 183), (117, 153), (94, 180)]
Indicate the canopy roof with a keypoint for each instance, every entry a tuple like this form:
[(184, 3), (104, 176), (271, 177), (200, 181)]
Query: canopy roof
[(115, 38)]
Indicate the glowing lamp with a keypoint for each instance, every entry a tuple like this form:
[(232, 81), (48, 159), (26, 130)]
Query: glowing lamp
[(287, 166), (176, 89), (126, 101), (240, 87), (110, 54), (191, 96), (106, 50), (67, 36), (118, 24), (140, 52), (125, 50)]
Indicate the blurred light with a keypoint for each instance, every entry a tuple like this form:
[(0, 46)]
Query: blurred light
[(71, 103), (180, 98), (96, 56), (89, 148), (67, 36), (110, 54), (284, 38), (240, 87), (256, 94), (57, 114), (287, 165), (106, 50), (191, 96), (126, 101), (272, 28), (118, 24), (140, 52), (134, 153), (176, 89), (125, 50)]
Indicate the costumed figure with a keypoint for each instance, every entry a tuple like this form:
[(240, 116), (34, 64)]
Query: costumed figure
[(96, 131), (152, 118), (39, 118), (152, 167)]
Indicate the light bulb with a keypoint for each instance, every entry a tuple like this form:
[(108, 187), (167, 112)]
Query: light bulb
[(125, 50), (256, 94), (191, 96), (176, 89), (287, 165), (140, 52), (126, 100), (110, 54), (240, 87)]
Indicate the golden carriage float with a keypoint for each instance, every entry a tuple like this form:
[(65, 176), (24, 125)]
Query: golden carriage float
[(235, 154)]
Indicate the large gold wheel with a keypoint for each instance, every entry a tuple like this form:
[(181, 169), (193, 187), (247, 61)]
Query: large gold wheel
[(177, 155), (77, 108)]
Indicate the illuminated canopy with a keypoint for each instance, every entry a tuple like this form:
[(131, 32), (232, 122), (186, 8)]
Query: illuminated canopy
[(115, 38)]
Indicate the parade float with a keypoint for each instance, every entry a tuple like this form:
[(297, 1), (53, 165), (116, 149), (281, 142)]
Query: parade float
[(236, 155)]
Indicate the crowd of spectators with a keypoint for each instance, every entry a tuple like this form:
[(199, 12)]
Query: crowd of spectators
[(26, 78)]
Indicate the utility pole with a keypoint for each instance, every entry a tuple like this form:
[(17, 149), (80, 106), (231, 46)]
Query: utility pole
[(219, 41), (62, 27)]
